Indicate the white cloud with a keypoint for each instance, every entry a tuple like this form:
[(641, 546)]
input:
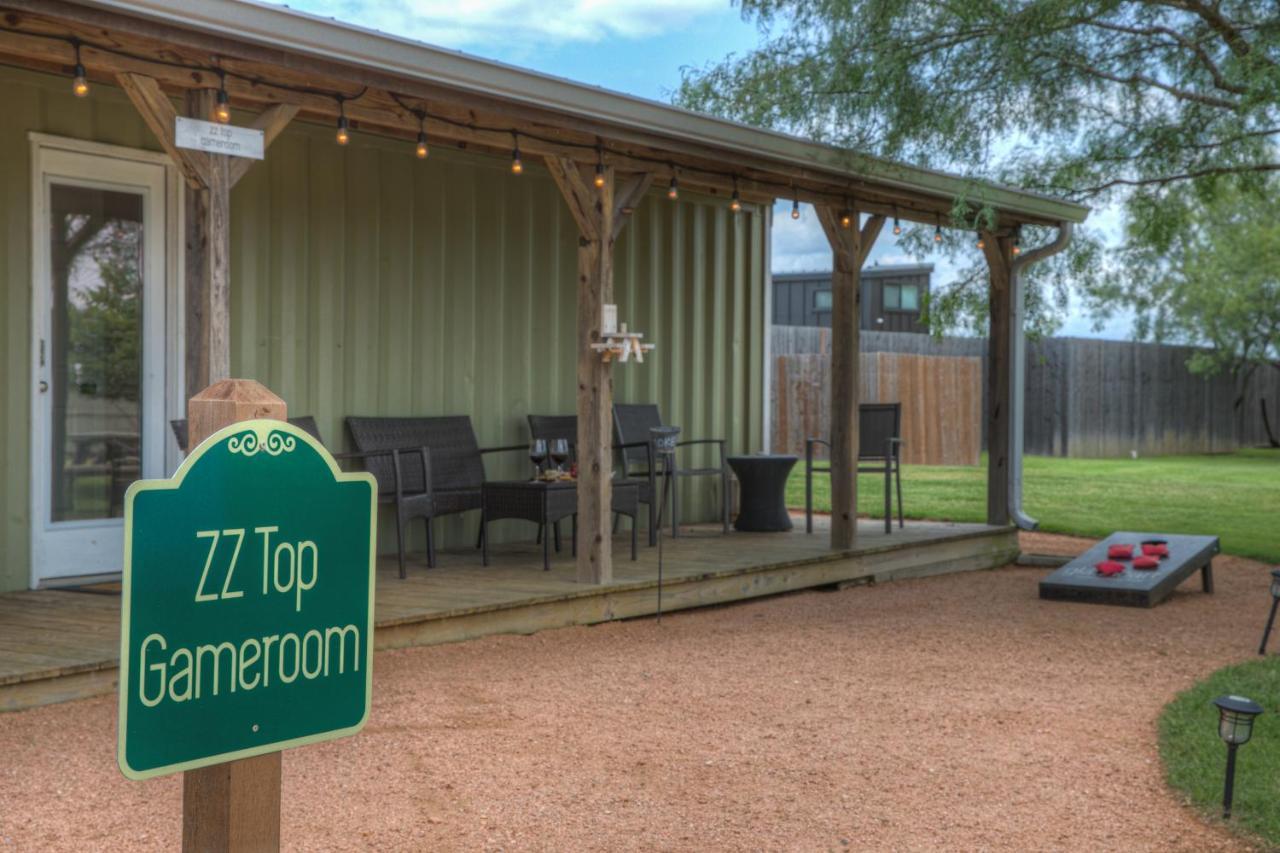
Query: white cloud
[(473, 23)]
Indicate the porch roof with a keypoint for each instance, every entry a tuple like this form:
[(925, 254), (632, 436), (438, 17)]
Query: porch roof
[(764, 164)]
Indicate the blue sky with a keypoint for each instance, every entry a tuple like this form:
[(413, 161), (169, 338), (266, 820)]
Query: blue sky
[(632, 46)]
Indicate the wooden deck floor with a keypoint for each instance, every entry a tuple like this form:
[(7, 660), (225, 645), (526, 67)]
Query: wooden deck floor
[(63, 644)]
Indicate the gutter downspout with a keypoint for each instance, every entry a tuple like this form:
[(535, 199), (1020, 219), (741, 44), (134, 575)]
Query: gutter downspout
[(1018, 370)]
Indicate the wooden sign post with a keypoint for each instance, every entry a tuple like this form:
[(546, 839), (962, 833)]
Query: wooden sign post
[(233, 806), (247, 614)]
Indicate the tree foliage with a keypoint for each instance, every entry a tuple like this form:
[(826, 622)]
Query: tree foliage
[(1125, 101), (1214, 283)]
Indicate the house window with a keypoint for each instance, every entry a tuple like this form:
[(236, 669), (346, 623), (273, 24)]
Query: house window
[(822, 300), (901, 297)]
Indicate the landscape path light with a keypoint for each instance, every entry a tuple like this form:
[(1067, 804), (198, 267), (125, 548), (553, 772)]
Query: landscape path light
[(1235, 726), (1275, 602)]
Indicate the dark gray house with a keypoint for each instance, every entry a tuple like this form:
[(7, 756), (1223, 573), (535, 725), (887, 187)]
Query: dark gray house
[(892, 298)]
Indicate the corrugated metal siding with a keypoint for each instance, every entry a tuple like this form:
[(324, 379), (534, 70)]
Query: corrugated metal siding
[(367, 282)]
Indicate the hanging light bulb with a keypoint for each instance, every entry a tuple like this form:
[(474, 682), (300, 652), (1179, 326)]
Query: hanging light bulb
[(846, 219), (897, 228), (937, 233), (673, 189), (222, 107), (79, 83), (735, 202), (1017, 239), (421, 150), (795, 209), (982, 243), (516, 166), (343, 135), (599, 178)]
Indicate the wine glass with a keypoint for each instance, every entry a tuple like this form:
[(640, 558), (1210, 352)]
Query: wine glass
[(537, 455), (559, 452)]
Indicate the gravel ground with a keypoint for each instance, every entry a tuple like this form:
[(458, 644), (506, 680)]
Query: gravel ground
[(958, 712)]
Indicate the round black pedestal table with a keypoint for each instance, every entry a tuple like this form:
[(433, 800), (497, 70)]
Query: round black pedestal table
[(762, 491)]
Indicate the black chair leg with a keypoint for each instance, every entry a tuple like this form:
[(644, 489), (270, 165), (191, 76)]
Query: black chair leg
[(555, 529), (888, 498), (615, 522), (480, 536), (651, 510), (808, 496), (897, 474), (400, 542), (484, 540), (634, 519), (675, 505), (431, 544), (724, 499)]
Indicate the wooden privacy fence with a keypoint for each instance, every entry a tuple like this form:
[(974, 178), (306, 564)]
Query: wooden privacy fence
[(1085, 397), (941, 401)]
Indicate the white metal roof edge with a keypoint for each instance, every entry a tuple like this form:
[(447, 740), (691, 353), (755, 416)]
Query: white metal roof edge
[(280, 27)]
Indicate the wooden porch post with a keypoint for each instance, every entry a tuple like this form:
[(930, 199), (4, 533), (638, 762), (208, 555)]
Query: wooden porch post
[(849, 248), (209, 178), (999, 252), (600, 214)]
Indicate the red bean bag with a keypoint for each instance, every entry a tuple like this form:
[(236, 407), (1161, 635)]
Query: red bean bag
[(1120, 552), (1108, 568), (1147, 562), (1155, 549)]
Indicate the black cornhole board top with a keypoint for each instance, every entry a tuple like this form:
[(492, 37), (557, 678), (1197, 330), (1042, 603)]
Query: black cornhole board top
[(1080, 581)]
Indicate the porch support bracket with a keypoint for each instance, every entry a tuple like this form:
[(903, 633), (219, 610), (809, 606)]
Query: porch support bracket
[(600, 213), (209, 178), (849, 249)]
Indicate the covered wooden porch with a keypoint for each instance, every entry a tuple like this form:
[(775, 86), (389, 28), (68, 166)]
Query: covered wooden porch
[(608, 155), (57, 645)]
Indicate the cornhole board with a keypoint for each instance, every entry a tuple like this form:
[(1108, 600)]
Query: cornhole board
[(1079, 580)]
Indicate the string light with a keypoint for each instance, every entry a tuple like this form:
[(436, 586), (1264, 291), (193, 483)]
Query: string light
[(343, 136), (673, 188), (982, 243), (80, 87), (599, 179), (897, 227), (795, 209), (937, 233), (1017, 239), (421, 150), (222, 108), (79, 83), (735, 203), (846, 219)]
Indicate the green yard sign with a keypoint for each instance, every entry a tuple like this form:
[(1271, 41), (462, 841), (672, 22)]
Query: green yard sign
[(247, 623)]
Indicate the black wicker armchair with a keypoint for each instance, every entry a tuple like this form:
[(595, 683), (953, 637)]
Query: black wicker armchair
[(306, 423), (566, 426), (425, 467), (879, 441), (631, 423)]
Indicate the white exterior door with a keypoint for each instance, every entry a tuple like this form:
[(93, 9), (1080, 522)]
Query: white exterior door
[(99, 308)]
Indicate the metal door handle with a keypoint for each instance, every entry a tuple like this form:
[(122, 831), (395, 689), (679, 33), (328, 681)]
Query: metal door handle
[(44, 387)]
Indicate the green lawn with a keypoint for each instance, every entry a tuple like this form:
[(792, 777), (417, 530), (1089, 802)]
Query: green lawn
[(1235, 496), (1195, 758)]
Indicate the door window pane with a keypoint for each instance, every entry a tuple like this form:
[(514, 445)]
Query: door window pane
[(96, 349)]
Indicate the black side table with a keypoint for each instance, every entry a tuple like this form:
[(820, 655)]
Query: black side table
[(763, 490), (545, 503)]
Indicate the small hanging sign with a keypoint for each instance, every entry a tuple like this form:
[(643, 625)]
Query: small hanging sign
[(219, 138)]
